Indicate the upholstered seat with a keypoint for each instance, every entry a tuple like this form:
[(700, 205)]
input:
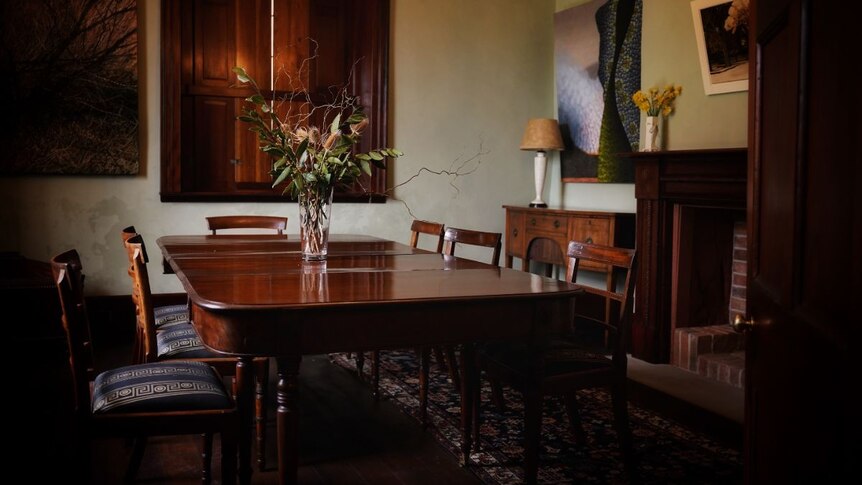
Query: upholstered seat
[(159, 387), (181, 342), (169, 315)]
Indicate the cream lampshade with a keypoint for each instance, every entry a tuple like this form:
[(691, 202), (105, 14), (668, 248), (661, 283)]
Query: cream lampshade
[(542, 134)]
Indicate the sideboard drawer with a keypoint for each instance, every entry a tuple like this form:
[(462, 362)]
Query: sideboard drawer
[(536, 223), (591, 230)]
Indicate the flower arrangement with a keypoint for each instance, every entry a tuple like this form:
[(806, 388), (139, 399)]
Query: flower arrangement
[(306, 156), (312, 159), (654, 102)]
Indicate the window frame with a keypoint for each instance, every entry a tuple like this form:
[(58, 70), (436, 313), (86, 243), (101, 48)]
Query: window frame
[(370, 23)]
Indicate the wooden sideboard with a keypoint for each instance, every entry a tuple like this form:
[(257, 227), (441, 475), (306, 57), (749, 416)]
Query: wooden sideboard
[(543, 235)]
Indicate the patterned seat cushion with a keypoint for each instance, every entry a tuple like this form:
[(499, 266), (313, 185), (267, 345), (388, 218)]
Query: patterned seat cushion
[(170, 315), (182, 342), (159, 386)]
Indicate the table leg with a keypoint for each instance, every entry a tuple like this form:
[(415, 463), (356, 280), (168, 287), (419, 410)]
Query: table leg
[(469, 381), (287, 415), (244, 397)]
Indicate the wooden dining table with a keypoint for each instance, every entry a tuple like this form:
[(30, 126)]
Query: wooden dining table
[(253, 295)]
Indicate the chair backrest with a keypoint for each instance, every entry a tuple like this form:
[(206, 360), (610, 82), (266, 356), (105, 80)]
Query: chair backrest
[(622, 258), (69, 279), (454, 237), (215, 223), (426, 227), (142, 297)]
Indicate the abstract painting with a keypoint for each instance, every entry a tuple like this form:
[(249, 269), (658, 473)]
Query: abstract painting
[(597, 59), (69, 74)]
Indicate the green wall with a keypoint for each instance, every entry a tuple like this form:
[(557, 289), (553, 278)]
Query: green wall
[(668, 55), (466, 75)]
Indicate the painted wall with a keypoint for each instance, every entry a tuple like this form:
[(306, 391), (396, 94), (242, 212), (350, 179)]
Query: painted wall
[(465, 75), (669, 55)]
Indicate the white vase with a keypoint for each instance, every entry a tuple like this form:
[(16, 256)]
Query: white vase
[(314, 211), (651, 140)]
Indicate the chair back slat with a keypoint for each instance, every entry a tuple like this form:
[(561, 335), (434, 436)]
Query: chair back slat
[(426, 227), (142, 297), (277, 223), (69, 279), (619, 258), (455, 236)]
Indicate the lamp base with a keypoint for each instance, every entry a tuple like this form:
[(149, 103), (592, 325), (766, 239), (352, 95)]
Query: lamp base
[(540, 205)]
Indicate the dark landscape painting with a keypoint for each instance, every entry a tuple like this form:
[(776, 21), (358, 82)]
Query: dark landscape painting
[(69, 75)]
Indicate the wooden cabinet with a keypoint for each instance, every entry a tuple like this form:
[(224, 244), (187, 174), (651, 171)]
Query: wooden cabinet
[(539, 234)]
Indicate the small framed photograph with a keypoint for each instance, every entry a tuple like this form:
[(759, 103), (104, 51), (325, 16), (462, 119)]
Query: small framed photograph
[(721, 30)]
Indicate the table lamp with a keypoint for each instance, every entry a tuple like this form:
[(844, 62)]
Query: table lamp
[(542, 134)]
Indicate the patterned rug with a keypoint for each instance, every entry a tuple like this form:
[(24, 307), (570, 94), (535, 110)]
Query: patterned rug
[(667, 452)]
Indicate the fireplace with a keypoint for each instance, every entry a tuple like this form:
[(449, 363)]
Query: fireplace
[(690, 209)]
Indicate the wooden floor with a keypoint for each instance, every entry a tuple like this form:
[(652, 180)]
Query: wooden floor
[(346, 438)]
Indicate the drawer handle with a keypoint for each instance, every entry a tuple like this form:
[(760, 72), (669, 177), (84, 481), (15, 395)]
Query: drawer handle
[(588, 240), (556, 224), (533, 221), (515, 232)]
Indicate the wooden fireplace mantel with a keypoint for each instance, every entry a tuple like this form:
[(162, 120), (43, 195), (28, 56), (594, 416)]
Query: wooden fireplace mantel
[(664, 181)]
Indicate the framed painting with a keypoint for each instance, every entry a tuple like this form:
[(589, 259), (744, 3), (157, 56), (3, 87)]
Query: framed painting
[(721, 31), (597, 68), (69, 75)]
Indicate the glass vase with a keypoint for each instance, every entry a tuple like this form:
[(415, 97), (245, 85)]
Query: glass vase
[(315, 204)]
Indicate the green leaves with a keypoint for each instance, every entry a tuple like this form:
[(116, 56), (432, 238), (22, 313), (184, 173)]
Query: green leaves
[(307, 156), (241, 75)]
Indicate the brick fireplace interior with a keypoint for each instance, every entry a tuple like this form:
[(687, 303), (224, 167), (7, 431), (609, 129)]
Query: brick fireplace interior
[(707, 291)]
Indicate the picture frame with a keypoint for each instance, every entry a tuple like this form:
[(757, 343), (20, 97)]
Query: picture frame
[(721, 32)]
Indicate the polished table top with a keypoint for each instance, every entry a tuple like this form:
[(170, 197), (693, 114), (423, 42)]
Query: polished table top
[(227, 277), (254, 295)]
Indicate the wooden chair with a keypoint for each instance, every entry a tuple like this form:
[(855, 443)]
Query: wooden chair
[(181, 341), (576, 359), (216, 223), (165, 316), (417, 228), (163, 398), (453, 238)]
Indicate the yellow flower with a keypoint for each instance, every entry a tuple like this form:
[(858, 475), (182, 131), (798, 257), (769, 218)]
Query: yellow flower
[(656, 102)]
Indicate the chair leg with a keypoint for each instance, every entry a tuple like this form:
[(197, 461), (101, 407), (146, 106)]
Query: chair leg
[(206, 459), (575, 423), (453, 366), (360, 364), (441, 361), (136, 458), (261, 384), (497, 396), (424, 368), (375, 375), (621, 419)]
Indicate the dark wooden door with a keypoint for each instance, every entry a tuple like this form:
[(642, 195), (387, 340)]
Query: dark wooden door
[(805, 242)]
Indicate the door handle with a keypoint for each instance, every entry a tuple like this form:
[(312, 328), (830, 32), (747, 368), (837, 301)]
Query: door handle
[(740, 324)]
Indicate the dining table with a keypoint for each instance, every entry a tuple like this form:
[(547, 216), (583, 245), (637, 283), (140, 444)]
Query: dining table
[(253, 295)]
